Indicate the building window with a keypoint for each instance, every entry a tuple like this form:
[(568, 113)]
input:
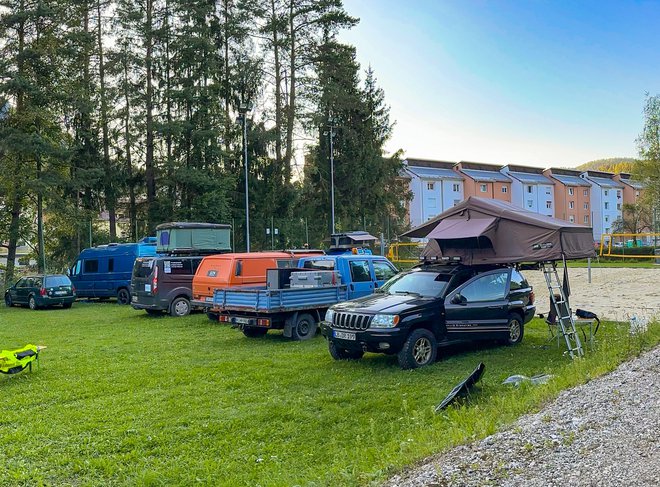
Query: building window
[(570, 191), (456, 188), (456, 202), (430, 186), (548, 204), (606, 192), (483, 188), (607, 219), (607, 205), (586, 192), (636, 194), (504, 189), (571, 204), (586, 206), (607, 230), (431, 202), (618, 193), (530, 203), (586, 219), (618, 206), (529, 189), (571, 219), (547, 190)]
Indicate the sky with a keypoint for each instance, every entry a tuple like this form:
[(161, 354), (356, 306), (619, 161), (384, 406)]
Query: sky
[(539, 83)]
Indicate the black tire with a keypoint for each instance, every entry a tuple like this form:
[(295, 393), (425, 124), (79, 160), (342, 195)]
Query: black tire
[(123, 296), (338, 353), (8, 302), (304, 328), (420, 349), (32, 303), (180, 307), (215, 317), (66, 305), (251, 332), (154, 312), (516, 330)]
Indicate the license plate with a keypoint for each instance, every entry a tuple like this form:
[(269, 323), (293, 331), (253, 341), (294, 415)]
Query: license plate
[(60, 293), (147, 288), (342, 335), (208, 299), (242, 321)]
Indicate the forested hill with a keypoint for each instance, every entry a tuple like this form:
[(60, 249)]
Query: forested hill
[(613, 164)]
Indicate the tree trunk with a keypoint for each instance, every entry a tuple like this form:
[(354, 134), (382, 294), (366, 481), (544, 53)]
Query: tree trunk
[(13, 238), (278, 91), (110, 197), (292, 97), (149, 171), (132, 211)]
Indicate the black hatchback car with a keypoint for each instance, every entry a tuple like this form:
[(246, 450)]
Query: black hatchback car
[(41, 291), (428, 305)]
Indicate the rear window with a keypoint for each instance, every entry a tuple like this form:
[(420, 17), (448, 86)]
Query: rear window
[(518, 281), (54, 281), (322, 264), (143, 267)]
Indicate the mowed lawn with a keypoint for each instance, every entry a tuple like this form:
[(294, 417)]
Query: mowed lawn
[(122, 398)]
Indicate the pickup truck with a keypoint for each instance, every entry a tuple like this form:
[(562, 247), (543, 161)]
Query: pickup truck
[(297, 309)]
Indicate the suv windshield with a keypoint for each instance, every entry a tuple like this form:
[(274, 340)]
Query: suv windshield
[(423, 283)]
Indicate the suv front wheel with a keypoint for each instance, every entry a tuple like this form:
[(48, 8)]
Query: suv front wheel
[(420, 349), (338, 353)]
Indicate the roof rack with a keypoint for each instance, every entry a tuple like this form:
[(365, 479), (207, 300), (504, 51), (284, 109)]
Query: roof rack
[(351, 241), (434, 259)]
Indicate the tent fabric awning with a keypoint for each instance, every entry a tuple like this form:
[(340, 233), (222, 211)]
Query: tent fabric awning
[(483, 231), (451, 228)]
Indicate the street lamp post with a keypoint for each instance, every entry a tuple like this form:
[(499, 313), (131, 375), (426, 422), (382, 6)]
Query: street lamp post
[(243, 109), (332, 169)]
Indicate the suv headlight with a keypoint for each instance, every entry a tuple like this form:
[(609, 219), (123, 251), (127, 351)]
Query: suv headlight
[(329, 316), (385, 321)]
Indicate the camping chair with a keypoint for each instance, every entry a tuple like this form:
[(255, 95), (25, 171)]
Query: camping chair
[(15, 361)]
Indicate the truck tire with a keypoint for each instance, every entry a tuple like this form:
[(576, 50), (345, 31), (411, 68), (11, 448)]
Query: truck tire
[(420, 349), (516, 330), (180, 307), (251, 332), (123, 296), (343, 354), (304, 328)]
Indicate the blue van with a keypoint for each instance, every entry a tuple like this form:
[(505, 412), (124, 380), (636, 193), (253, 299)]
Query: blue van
[(105, 271)]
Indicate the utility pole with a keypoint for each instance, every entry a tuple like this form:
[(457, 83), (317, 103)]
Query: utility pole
[(332, 168)]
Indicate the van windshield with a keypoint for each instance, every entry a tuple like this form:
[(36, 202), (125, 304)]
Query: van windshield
[(143, 267)]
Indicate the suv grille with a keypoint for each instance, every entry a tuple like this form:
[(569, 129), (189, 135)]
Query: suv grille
[(352, 321)]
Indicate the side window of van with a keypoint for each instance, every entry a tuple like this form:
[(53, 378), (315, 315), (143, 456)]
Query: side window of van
[(360, 270), (75, 270), (91, 266), (177, 267), (111, 265)]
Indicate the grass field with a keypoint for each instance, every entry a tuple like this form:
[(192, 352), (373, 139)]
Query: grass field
[(122, 398)]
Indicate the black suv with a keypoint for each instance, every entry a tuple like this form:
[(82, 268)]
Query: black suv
[(431, 304)]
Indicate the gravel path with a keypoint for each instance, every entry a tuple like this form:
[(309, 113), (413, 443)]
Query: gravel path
[(603, 433)]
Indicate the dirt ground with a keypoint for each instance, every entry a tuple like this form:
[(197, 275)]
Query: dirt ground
[(614, 293)]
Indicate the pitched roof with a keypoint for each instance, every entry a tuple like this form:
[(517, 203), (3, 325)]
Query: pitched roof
[(602, 179), (486, 176)]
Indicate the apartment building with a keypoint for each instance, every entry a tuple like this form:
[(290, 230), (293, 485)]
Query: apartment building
[(530, 189), (632, 190), (435, 186), (572, 195), (606, 201), (484, 180)]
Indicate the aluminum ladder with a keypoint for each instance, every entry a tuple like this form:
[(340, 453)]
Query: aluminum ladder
[(559, 300)]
